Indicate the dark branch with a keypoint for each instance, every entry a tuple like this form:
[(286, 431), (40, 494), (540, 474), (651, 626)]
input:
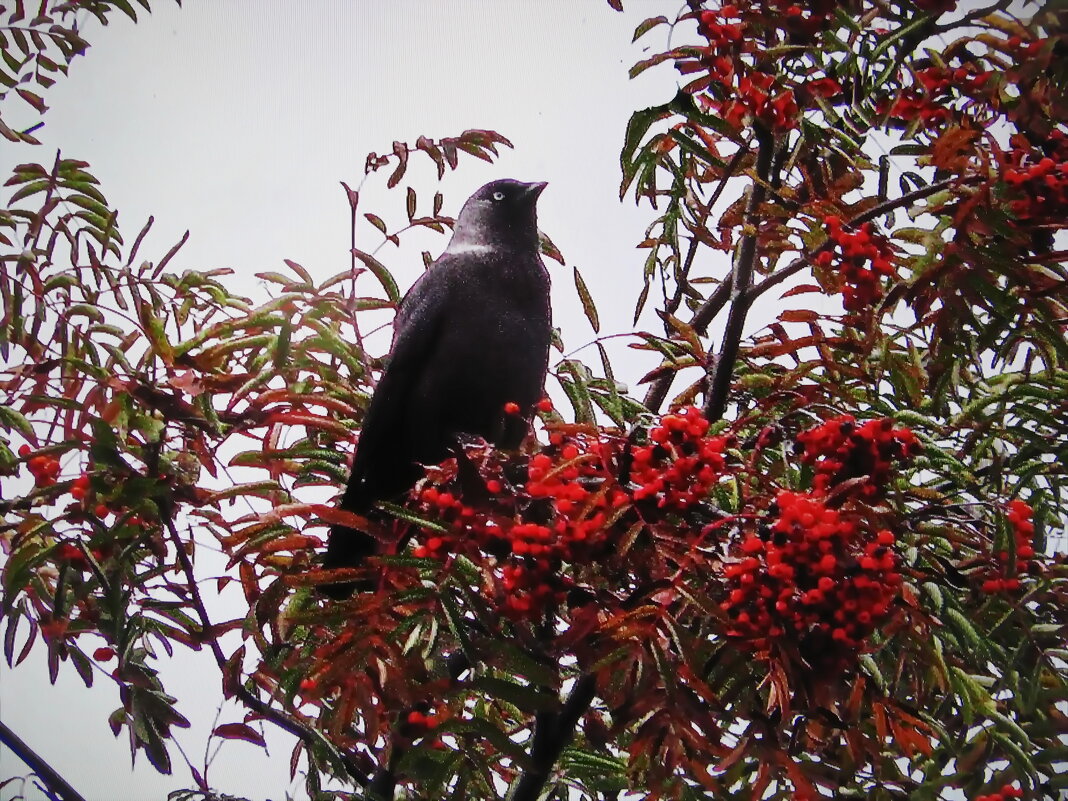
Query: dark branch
[(384, 783), (552, 733), (743, 277), (45, 772)]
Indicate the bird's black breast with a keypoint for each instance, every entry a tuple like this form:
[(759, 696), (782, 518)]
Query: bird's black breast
[(470, 336), (492, 347)]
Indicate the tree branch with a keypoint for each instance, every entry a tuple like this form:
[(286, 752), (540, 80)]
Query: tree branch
[(45, 772), (552, 733), (658, 389), (742, 277)]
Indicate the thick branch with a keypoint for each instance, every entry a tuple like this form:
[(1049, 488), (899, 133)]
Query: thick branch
[(552, 733), (658, 389), (743, 277), (55, 783)]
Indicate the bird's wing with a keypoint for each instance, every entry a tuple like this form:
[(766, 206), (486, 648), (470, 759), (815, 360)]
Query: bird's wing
[(416, 333)]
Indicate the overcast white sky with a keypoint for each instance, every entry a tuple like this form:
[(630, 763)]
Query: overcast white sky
[(237, 120)]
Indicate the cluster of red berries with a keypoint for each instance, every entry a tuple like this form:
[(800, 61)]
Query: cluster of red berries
[(1004, 577), (1006, 792), (421, 722), (840, 450), (814, 575), (560, 515), (44, 469), (747, 93), (681, 463), (1039, 179), (863, 259)]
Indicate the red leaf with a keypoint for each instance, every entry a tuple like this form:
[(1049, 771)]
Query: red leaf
[(801, 289), (799, 316), (239, 731)]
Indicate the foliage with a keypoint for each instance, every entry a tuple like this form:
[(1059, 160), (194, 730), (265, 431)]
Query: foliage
[(825, 572)]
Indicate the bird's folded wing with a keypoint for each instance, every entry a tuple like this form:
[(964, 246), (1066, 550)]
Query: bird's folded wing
[(416, 332)]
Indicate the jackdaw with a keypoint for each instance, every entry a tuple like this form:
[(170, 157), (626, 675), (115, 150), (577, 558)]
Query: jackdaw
[(471, 335)]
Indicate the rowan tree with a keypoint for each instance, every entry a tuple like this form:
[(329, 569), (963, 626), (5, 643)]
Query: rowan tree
[(818, 561)]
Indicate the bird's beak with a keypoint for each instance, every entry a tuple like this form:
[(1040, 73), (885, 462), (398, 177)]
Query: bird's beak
[(535, 189)]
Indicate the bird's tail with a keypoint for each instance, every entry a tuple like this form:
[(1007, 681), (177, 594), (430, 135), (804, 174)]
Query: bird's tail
[(347, 547)]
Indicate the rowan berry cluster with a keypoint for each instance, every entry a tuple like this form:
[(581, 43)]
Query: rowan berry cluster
[(681, 463), (840, 450), (1004, 577), (751, 92), (862, 258), (1038, 179), (563, 505), (1006, 792), (44, 469), (814, 575), (559, 514)]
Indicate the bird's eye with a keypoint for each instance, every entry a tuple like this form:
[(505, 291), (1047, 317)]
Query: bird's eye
[(498, 195)]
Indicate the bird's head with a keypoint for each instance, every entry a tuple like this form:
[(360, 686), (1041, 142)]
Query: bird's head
[(502, 214)]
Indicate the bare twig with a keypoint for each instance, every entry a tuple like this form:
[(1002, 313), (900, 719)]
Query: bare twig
[(45, 772), (973, 16)]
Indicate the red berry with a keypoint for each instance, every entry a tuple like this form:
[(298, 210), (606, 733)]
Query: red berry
[(101, 510), (25, 450), (511, 408), (103, 654), (545, 405)]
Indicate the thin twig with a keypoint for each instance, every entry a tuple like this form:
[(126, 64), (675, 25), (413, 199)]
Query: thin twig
[(876, 211), (743, 276), (309, 736), (365, 360), (45, 772), (973, 16)]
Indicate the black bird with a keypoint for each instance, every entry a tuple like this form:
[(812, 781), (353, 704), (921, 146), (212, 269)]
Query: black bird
[(471, 335)]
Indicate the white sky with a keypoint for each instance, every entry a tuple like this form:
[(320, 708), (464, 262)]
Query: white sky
[(237, 120)]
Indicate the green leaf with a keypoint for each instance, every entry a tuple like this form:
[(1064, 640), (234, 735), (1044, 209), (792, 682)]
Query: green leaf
[(525, 697), (577, 389), (385, 278), (11, 419), (587, 302), (647, 25)]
